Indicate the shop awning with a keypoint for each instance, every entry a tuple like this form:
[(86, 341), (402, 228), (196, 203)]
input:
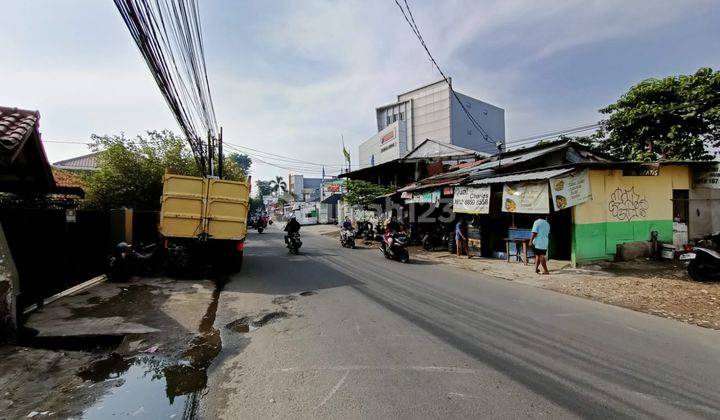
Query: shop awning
[(333, 199), (525, 176)]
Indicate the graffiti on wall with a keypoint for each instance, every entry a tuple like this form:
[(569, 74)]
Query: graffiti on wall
[(626, 204)]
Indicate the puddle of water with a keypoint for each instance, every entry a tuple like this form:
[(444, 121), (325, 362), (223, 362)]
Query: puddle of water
[(150, 387), (280, 300), (242, 325), (110, 368), (145, 391), (269, 317)]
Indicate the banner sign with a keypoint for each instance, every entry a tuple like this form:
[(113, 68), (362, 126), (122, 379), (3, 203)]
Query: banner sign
[(425, 197), (707, 179), (528, 197), (570, 190), (472, 200)]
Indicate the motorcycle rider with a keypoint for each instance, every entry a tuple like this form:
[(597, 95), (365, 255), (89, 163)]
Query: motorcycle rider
[(292, 226), (346, 227), (391, 227)]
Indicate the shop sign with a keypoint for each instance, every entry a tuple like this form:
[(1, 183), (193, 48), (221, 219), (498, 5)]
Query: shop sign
[(388, 136), (644, 169), (448, 191), (70, 215), (472, 200), (708, 178), (527, 197), (570, 190), (425, 197), (333, 188), (406, 195)]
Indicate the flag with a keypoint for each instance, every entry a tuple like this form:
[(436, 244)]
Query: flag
[(346, 154)]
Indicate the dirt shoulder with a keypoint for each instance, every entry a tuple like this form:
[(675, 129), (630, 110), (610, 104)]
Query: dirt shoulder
[(658, 288)]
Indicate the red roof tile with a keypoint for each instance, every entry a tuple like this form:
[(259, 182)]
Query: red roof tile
[(15, 127)]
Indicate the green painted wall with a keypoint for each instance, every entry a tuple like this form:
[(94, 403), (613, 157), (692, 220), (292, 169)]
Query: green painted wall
[(597, 241)]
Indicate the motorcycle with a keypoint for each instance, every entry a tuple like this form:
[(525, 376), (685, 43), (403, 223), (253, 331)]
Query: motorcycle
[(261, 223), (397, 250), (366, 232), (347, 238), (127, 261), (436, 240), (704, 259), (293, 242)]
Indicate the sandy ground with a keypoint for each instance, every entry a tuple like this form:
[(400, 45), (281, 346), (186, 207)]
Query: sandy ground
[(662, 289), (657, 288)]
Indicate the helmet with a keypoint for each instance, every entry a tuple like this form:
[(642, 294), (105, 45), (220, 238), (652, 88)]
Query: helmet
[(122, 247)]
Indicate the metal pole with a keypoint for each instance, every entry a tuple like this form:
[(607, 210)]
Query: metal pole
[(220, 155), (210, 155)]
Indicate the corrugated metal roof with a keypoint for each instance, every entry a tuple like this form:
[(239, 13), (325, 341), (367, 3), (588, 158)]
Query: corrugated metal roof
[(525, 176), (80, 163), (434, 184), (516, 159)]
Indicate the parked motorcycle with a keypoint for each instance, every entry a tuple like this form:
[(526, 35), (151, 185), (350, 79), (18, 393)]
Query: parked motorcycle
[(347, 238), (366, 232), (397, 250), (704, 259), (293, 242), (127, 261), (438, 239)]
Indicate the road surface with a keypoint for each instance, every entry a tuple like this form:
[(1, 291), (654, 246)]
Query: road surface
[(381, 339)]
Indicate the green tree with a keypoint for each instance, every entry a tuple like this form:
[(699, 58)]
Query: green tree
[(278, 185), (130, 171), (263, 188), (675, 118), (363, 193), (243, 161)]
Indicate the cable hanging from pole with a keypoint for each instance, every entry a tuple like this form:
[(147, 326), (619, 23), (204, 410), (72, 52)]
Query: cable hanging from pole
[(169, 36)]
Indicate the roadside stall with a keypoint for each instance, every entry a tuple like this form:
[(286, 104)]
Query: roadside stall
[(515, 202)]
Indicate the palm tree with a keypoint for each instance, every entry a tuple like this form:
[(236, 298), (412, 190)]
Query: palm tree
[(278, 185)]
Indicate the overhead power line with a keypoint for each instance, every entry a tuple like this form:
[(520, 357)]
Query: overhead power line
[(410, 19), (169, 36), (587, 127)]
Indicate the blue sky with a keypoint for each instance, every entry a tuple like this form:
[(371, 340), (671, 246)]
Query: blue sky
[(291, 77)]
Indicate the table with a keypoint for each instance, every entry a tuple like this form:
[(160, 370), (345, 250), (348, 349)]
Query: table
[(518, 256)]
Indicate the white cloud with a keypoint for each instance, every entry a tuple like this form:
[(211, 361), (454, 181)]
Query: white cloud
[(319, 68)]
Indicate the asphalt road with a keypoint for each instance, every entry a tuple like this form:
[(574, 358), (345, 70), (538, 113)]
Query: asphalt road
[(381, 339)]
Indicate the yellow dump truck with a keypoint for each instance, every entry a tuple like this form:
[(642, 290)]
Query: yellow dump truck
[(203, 222)]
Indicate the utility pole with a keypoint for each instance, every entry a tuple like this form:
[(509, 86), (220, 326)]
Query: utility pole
[(220, 155), (210, 155)]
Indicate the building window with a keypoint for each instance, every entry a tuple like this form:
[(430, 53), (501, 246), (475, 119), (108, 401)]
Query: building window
[(402, 116)]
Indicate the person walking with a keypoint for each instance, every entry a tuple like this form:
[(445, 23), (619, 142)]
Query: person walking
[(539, 241), (461, 241)]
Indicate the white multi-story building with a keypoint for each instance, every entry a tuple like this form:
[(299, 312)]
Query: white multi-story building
[(433, 112)]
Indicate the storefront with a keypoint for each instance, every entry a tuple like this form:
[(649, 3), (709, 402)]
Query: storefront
[(591, 207)]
